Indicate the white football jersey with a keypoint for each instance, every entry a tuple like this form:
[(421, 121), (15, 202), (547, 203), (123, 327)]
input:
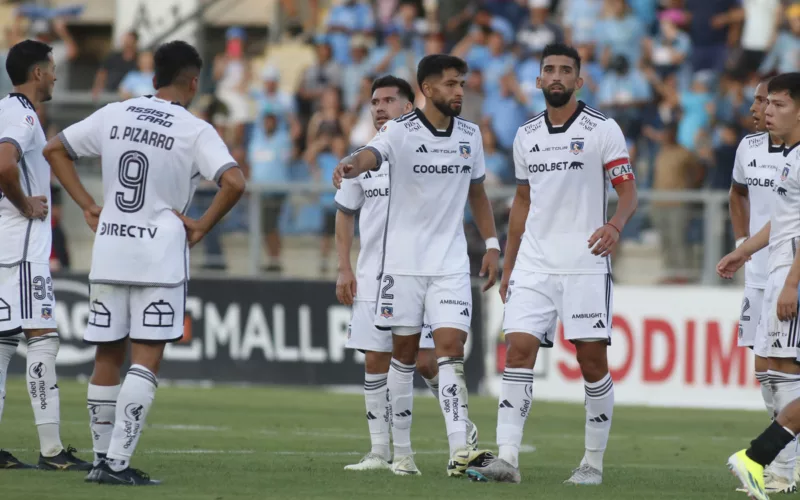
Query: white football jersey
[(785, 219), (430, 172), (757, 161), (24, 239), (570, 169), (153, 155), (369, 193)]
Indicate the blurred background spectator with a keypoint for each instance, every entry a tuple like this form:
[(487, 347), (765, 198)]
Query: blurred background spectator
[(288, 86)]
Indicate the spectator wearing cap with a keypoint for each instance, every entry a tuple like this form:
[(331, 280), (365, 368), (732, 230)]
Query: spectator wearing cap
[(359, 67), (324, 73), (670, 48), (269, 157), (504, 111), (345, 20), (623, 93), (619, 32), (392, 58), (281, 104), (139, 82), (118, 64), (538, 31), (500, 62), (784, 57), (232, 75)]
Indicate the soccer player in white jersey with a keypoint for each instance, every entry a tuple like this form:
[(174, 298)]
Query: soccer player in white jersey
[(27, 302), (757, 160), (389, 359), (154, 153), (435, 164), (779, 312), (557, 258)]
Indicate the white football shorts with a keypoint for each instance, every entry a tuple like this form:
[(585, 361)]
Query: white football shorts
[(774, 338), (750, 315), (535, 301), (27, 300), (146, 314), (363, 335), (404, 302)]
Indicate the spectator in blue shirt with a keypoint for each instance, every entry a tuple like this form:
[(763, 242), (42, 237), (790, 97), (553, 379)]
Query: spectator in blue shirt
[(623, 93), (696, 104), (619, 33), (276, 101), (671, 46), (504, 111), (322, 156), (500, 62), (392, 58), (411, 27), (498, 168), (345, 20), (473, 48), (591, 72), (269, 157), (538, 31), (140, 81), (579, 19), (355, 72)]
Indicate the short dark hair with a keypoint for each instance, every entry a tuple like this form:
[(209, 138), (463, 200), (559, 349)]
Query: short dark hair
[(437, 64), (786, 82), (561, 49), (172, 60), (389, 81), (23, 57)]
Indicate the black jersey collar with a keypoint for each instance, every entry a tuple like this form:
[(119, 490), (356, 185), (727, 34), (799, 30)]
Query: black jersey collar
[(774, 148), (563, 128), (787, 150), (176, 103), (431, 128), (23, 97)]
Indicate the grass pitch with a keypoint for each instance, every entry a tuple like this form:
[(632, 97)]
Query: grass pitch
[(292, 443)]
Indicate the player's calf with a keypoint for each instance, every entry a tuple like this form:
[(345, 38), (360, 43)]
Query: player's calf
[(102, 393), (599, 387)]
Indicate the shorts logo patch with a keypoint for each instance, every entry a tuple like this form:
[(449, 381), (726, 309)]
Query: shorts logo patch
[(387, 311), (159, 315), (99, 315), (47, 312), (5, 311)]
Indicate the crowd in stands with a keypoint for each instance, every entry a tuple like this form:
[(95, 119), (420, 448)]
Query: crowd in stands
[(678, 76)]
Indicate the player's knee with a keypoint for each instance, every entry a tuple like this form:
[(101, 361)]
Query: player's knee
[(426, 364), (376, 363), (521, 350), (404, 349), (41, 332), (148, 354), (594, 365)]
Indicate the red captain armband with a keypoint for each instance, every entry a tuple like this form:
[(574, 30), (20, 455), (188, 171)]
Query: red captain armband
[(620, 171)]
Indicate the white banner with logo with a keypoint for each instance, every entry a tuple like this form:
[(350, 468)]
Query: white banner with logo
[(671, 346), (152, 19)]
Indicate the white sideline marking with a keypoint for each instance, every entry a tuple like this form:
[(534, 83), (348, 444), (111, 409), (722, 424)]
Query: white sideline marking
[(523, 449)]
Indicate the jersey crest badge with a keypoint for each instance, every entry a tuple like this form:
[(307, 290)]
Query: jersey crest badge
[(465, 150), (785, 173), (576, 146), (47, 312), (387, 311)]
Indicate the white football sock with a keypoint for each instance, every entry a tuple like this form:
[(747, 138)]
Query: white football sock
[(133, 403), (766, 393), (453, 400), (8, 346), (599, 411), (433, 385), (379, 417), (401, 400), (516, 392), (43, 391), (786, 388), (102, 404)]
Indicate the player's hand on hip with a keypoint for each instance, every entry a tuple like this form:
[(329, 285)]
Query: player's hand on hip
[(603, 241), (194, 230), (36, 207), (787, 303), (731, 263), (489, 265), (342, 171), (346, 287), (92, 216), (504, 288)]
